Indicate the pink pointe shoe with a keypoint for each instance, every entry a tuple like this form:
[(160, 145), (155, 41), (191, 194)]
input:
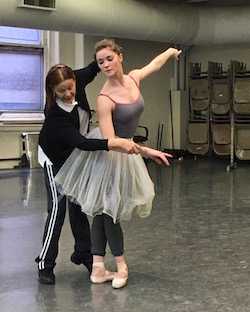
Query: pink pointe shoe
[(104, 276), (120, 281)]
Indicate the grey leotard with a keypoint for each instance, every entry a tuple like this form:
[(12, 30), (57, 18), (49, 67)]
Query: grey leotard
[(126, 116)]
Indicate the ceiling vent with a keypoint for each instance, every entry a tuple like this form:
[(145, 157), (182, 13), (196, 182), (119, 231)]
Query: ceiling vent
[(49, 5)]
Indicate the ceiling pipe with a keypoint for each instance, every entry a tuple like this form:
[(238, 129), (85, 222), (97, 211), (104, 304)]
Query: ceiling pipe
[(223, 25), (137, 19)]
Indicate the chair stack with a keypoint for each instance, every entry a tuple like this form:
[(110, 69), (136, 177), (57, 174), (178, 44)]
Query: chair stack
[(198, 138), (220, 108), (241, 109)]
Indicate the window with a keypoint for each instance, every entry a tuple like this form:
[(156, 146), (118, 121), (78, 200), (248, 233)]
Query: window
[(21, 69), (38, 4)]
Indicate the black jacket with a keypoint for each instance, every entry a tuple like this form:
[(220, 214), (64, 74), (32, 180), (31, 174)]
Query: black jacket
[(60, 132)]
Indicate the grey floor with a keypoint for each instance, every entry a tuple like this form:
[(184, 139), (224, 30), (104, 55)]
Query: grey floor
[(191, 254)]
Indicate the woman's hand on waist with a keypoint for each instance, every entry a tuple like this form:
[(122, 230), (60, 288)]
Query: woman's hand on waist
[(123, 145)]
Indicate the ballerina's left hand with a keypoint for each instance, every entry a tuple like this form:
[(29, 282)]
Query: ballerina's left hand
[(156, 155)]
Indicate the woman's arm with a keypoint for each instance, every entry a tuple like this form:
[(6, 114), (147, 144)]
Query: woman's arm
[(155, 64), (87, 74), (105, 108)]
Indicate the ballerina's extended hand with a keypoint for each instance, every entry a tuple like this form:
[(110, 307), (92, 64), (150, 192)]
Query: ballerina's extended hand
[(156, 155)]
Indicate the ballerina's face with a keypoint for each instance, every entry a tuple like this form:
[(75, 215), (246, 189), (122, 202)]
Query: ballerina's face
[(109, 61)]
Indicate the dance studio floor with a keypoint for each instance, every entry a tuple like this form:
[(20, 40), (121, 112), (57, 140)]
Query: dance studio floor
[(191, 254)]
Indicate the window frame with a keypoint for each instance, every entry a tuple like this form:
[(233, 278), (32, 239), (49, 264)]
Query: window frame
[(27, 49)]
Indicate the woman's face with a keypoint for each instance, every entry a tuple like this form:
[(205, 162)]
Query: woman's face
[(66, 90), (108, 61)]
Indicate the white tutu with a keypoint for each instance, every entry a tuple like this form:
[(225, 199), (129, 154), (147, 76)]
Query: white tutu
[(113, 183)]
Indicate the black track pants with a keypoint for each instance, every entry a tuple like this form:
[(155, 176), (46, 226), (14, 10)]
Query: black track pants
[(53, 225)]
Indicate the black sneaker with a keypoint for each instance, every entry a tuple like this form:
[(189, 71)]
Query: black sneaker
[(88, 262), (46, 276)]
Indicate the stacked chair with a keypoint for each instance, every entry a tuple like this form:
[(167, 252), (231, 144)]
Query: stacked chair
[(241, 109), (219, 111), (220, 108), (198, 138)]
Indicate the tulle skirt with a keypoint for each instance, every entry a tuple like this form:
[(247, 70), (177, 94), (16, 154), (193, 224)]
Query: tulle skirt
[(113, 183)]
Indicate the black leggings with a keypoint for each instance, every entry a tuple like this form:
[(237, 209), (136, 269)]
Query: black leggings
[(105, 230)]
